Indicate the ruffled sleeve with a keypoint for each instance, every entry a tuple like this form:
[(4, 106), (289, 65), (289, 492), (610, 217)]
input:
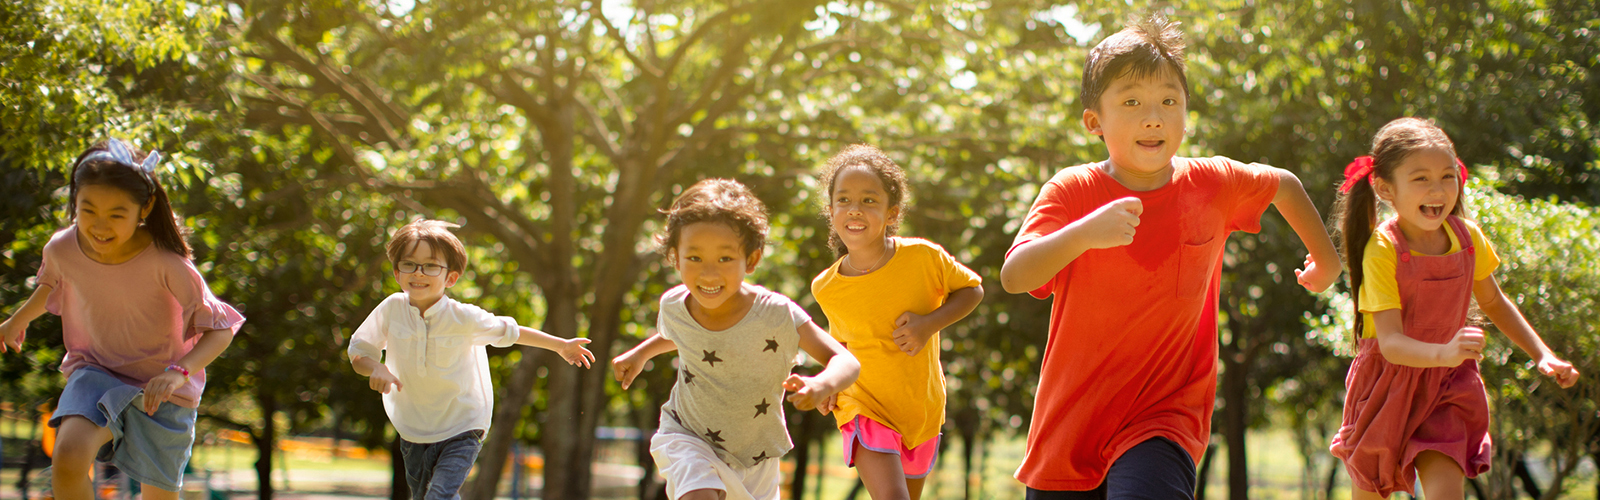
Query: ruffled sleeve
[(205, 311), (50, 269)]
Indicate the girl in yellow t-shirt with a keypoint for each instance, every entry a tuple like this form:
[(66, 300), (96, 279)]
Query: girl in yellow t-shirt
[(886, 299)]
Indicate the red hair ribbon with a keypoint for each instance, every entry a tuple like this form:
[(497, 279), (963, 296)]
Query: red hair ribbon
[(1361, 168), (1356, 171)]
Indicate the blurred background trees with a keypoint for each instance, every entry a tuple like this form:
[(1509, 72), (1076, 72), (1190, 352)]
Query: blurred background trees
[(302, 132)]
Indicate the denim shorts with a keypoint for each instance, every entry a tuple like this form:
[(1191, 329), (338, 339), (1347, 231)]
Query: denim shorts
[(152, 450)]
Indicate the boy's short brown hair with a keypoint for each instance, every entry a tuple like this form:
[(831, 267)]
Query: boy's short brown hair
[(724, 201), (438, 237), (1139, 50)]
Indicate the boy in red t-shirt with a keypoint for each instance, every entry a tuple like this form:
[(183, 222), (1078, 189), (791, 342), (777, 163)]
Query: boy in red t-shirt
[(1126, 391)]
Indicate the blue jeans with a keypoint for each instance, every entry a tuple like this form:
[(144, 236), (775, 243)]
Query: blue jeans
[(1155, 469), (435, 471)]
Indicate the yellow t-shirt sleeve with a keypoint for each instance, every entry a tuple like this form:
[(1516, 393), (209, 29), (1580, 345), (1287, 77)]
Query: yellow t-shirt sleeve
[(1485, 260), (956, 275)]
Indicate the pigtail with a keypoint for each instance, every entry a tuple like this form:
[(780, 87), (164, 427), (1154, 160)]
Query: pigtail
[(163, 223), (1356, 217)]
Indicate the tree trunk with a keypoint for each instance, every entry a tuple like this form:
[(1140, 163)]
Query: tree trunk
[(1520, 469), (967, 426), (1204, 474), (399, 489), (266, 442), (802, 454), (1236, 415), (1333, 475)]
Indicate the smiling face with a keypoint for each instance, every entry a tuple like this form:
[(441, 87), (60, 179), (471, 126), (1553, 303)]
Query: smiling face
[(859, 208), (423, 290), (1425, 188), (1142, 121), (712, 263), (108, 221)]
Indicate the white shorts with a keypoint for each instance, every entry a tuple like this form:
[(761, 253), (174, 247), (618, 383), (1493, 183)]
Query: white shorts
[(690, 464)]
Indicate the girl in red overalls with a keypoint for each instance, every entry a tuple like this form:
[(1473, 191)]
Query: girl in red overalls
[(1414, 404)]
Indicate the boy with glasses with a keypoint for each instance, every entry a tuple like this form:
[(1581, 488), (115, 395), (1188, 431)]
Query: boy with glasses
[(441, 398)]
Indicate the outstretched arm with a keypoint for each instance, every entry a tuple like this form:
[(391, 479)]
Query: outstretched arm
[(840, 370), (571, 350), (13, 329), (628, 365), (1322, 266), (1505, 315)]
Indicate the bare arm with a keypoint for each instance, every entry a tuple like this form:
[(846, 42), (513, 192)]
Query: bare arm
[(1505, 315), (912, 331), (1401, 349), (628, 365), (160, 388), (12, 330), (1322, 266), (571, 350), (1032, 264), (839, 371)]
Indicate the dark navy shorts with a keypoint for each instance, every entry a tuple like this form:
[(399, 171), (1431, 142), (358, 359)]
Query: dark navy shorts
[(1157, 469)]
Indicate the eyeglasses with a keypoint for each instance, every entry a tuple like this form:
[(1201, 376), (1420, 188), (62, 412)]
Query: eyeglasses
[(408, 267)]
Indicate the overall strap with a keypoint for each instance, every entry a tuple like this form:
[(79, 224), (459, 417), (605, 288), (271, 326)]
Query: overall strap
[(1462, 234), (1402, 250)]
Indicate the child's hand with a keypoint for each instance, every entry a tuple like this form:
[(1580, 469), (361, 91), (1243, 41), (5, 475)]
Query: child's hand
[(1317, 278), (1467, 344), (829, 404), (627, 366), (808, 393), (159, 390), (1560, 370), (1112, 225), (11, 335), (382, 378), (573, 351), (908, 335)]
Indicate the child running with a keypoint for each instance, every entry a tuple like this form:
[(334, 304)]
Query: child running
[(435, 377), (886, 299), (724, 424), (139, 324), (1132, 249), (1414, 403)]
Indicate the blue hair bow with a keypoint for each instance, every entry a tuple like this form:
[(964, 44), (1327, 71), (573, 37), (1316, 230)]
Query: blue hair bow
[(118, 152)]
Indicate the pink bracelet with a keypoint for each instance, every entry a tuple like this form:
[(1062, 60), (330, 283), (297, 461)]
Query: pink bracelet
[(180, 369)]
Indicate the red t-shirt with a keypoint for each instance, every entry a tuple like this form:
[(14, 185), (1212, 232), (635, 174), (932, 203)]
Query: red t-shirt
[(1132, 353)]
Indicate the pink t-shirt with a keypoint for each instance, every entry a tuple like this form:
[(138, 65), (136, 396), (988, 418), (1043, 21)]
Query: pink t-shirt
[(131, 319)]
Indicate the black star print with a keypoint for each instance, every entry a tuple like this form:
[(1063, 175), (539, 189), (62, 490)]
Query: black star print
[(761, 457), (688, 377), (761, 409), (711, 358), (675, 416), (714, 436), (772, 345)]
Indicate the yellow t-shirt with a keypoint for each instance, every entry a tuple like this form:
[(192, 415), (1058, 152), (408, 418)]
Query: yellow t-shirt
[(903, 392), (1379, 289)]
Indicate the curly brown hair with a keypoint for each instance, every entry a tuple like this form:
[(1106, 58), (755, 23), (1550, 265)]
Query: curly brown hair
[(723, 201), (874, 161)]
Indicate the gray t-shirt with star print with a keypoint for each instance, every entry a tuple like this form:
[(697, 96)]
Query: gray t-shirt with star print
[(729, 391)]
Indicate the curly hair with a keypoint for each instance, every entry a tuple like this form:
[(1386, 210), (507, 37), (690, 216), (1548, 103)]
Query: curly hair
[(874, 161), (724, 201)]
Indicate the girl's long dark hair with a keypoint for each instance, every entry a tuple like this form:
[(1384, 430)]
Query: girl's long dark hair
[(1356, 212), (162, 223)]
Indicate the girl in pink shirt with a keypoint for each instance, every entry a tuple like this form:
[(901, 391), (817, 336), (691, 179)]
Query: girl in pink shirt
[(138, 322)]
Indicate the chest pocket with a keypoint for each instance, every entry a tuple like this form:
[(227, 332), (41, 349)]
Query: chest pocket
[(1441, 304), (1196, 263), (447, 351)]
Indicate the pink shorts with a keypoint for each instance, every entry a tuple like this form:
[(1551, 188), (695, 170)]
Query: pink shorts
[(917, 461)]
